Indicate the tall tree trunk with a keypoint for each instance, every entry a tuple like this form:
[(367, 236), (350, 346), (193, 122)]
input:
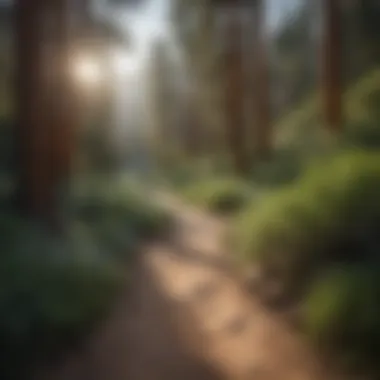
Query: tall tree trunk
[(43, 133), (332, 66), (192, 128), (262, 107), (234, 93), (32, 146), (205, 76), (63, 117)]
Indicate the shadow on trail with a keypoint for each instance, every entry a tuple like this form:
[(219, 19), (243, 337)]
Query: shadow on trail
[(144, 339), (159, 348), (199, 256)]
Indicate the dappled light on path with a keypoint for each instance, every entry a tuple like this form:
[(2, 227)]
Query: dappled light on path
[(191, 320), (238, 335)]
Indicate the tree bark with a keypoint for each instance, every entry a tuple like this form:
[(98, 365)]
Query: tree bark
[(332, 67), (43, 134), (262, 106), (63, 113), (234, 93), (31, 138)]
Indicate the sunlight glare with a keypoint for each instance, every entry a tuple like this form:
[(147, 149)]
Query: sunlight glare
[(88, 71), (125, 63)]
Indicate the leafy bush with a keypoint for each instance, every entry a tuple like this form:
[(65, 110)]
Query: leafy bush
[(283, 168), (186, 171), (330, 213), (301, 128), (52, 291), (329, 218), (365, 135), (342, 311), (120, 207), (219, 195)]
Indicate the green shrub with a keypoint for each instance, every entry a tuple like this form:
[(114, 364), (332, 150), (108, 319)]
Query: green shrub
[(120, 214), (190, 170), (342, 312), (364, 135), (299, 235), (284, 167), (301, 128), (219, 195), (331, 213), (52, 292)]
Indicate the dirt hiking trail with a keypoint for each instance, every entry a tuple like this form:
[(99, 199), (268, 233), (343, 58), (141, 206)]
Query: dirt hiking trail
[(187, 318)]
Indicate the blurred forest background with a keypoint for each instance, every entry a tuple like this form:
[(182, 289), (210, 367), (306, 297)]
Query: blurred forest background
[(276, 126)]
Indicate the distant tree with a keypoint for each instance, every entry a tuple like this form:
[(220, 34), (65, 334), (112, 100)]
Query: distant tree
[(360, 21), (97, 36), (34, 187), (262, 98), (46, 102), (293, 64), (195, 31), (332, 66), (5, 60), (162, 103), (210, 36), (6, 89), (234, 91)]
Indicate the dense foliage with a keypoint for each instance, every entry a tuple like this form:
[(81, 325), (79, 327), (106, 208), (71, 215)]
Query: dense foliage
[(54, 289), (301, 128), (318, 238), (224, 196)]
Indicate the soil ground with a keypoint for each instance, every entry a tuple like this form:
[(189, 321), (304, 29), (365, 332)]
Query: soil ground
[(187, 318)]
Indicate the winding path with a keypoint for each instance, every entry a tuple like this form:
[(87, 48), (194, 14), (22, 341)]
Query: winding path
[(189, 319)]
